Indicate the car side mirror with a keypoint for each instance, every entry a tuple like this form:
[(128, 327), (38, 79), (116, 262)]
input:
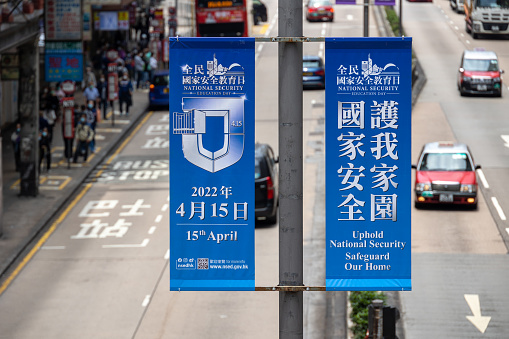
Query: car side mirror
[(414, 166), (276, 160), (477, 167), (501, 71), (461, 70)]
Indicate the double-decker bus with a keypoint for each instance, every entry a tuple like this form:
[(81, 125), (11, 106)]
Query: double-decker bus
[(212, 18), (221, 18)]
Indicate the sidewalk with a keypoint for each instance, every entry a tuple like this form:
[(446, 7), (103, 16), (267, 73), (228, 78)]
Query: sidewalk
[(24, 217)]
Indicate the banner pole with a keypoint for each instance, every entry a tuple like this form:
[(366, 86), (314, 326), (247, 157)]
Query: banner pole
[(290, 170)]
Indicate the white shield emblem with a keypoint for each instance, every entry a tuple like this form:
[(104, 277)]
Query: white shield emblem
[(192, 124)]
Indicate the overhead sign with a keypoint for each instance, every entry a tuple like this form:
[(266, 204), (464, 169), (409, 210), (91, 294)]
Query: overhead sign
[(113, 21), (63, 20), (368, 163), (212, 85)]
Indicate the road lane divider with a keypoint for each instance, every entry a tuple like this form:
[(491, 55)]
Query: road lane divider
[(499, 209), (146, 301), (144, 243), (483, 179)]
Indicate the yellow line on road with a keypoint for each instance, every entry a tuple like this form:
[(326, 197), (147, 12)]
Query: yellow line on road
[(64, 214), (43, 239)]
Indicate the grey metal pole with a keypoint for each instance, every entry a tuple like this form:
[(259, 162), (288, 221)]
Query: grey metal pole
[(28, 111), (290, 170), (400, 18), (366, 18)]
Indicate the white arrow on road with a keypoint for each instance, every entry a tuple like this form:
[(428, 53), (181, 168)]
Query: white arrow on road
[(480, 322)]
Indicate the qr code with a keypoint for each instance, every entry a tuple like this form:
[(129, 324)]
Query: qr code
[(203, 263)]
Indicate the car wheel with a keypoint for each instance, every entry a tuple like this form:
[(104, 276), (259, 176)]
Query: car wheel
[(475, 35), (418, 205), (462, 92)]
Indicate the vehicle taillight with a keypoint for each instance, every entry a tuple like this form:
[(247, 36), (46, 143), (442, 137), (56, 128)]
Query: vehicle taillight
[(320, 72), (331, 10), (312, 9), (270, 188), (152, 87)]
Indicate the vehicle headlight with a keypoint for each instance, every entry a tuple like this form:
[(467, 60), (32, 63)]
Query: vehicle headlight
[(423, 186), (468, 188), (496, 79), (467, 79)]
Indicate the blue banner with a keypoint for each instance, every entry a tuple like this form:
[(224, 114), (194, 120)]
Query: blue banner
[(368, 163), (212, 212), (61, 67)]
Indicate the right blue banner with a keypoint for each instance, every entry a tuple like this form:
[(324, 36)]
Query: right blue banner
[(368, 163)]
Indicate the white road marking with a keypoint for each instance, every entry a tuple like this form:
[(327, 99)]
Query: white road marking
[(164, 208), (159, 218), (52, 248), (146, 301), (507, 230), (483, 179), (143, 244), (480, 322), (467, 41), (152, 229), (167, 255), (505, 137), (349, 17), (498, 208)]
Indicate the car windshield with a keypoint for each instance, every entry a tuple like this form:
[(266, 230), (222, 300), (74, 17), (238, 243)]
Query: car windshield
[(481, 65), (493, 3), (161, 80), (311, 64), (445, 162)]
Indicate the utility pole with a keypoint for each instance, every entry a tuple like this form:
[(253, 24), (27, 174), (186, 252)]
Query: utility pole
[(290, 170), (366, 18), (29, 117)]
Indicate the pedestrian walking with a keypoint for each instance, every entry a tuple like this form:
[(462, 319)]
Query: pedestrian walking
[(91, 93), (102, 88), (125, 92), (153, 66), (44, 149), (89, 77), (139, 67), (91, 114), (84, 135), (16, 140), (51, 117)]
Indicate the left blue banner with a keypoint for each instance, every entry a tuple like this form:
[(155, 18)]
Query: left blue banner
[(212, 100)]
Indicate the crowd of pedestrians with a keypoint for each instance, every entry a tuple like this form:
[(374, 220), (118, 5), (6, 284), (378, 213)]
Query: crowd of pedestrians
[(135, 65)]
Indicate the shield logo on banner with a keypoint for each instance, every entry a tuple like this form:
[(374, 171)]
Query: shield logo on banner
[(197, 131)]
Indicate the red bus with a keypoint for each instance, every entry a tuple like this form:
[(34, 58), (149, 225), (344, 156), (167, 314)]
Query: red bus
[(221, 18)]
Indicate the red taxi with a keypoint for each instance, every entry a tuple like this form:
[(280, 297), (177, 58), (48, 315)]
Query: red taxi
[(445, 174), (479, 73), (320, 10)]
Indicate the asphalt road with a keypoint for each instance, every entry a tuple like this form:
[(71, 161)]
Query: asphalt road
[(459, 256)]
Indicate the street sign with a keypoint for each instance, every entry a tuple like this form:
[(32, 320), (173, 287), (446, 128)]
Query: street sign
[(368, 163), (60, 67), (212, 217)]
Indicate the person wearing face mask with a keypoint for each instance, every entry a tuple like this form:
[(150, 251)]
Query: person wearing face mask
[(16, 139), (44, 149), (102, 88), (84, 135), (91, 93), (91, 114), (125, 92)]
